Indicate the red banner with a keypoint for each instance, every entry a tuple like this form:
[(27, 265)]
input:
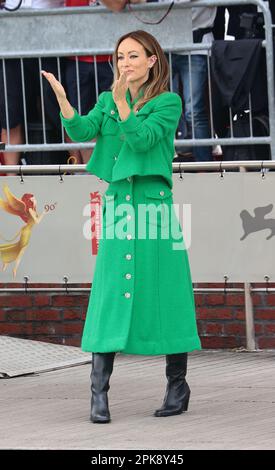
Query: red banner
[(96, 212)]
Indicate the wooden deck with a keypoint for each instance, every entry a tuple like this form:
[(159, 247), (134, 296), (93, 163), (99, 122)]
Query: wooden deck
[(232, 406)]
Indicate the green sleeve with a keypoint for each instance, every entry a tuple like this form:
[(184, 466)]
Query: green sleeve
[(162, 121), (85, 128)]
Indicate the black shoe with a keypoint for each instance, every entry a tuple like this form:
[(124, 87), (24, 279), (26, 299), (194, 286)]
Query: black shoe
[(177, 394), (102, 368)]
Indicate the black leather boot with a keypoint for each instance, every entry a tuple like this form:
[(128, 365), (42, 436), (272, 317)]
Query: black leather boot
[(177, 392), (102, 368)]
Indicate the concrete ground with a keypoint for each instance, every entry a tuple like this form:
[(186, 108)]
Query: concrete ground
[(232, 406)]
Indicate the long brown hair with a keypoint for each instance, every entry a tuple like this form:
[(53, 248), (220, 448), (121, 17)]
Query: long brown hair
[(158, 78)]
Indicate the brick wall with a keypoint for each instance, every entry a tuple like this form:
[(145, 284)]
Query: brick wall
[(221, 319), (58, 317)]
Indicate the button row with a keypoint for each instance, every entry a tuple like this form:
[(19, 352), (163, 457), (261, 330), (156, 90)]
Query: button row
[(128, 256)]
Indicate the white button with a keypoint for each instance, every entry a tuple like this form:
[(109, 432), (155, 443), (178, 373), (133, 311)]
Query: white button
[(128, 276), (161, 193), (127, 295), (128, 256), (128, 197), (129, 179), (115, 158), (129, 217), (129, 236), (112, 112)]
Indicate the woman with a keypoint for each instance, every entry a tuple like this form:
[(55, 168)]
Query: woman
[(142, 299)]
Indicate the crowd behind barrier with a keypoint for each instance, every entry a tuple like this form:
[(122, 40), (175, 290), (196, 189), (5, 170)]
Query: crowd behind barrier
[(215, 106)]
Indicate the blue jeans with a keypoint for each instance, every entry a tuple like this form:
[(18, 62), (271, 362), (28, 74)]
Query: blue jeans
[(199, 77)]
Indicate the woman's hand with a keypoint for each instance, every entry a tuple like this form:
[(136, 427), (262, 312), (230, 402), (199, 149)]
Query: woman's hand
[(56, 86), (65, 107), (120, 89)]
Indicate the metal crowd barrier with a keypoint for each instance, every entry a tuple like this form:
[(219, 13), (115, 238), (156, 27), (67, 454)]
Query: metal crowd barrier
[(175, 36)]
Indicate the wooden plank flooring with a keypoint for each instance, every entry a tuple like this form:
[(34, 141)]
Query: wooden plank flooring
[(232, 406)]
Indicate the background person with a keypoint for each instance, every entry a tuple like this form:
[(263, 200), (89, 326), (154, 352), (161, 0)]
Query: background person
[(15, 121)]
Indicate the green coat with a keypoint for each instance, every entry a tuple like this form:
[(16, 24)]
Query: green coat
[(143, 144), (141, 300)]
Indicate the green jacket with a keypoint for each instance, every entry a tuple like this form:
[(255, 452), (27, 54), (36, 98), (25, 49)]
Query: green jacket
[(143, 144)]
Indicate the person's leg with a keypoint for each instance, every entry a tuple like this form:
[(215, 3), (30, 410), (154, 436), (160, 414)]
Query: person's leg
[(71, 90), (105, 76), (176, 76), (16, 138), (177, 394), (80, 99), (88, 96), (51, 107), (75, 154), (195, 102), (11, 113), (102, 368), (88, 91)]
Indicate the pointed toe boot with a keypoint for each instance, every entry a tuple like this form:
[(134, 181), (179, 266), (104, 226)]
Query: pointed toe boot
[(102, 368), (177, 394)]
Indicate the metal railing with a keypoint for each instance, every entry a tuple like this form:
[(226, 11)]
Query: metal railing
[(51, 20)]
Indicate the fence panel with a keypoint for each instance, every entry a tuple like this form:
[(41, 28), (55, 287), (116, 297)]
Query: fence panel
[(55, 33)]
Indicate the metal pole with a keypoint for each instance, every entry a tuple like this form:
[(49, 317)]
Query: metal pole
[(197, 290), (249, 319), (270, 75), (177, 167)]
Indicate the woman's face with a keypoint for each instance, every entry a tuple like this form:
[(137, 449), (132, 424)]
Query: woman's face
[(132, 59)]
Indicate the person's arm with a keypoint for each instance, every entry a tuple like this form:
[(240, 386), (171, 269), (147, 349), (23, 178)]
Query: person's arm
[(65, 107), (118, 5), (141, 136), (85, 128), (114, 5), (79, 128)]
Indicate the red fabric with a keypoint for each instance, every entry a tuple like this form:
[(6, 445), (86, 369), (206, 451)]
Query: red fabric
[(77, 3), (84, 3), (88, 58)]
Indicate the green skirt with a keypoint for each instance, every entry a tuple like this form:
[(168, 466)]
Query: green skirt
[(141, 300)]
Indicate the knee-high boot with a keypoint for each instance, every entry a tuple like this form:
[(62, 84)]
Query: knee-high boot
[(177, 392), (102, 368)]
